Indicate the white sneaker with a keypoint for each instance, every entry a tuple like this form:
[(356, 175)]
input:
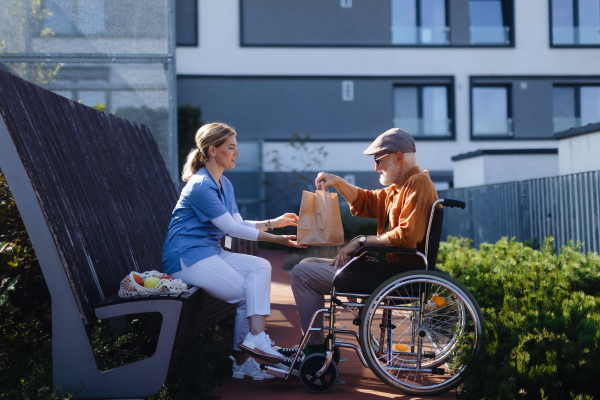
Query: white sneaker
[(259, 346), (249, 371)]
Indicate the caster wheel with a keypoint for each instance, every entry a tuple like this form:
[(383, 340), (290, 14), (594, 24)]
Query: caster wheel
[(308, 374)]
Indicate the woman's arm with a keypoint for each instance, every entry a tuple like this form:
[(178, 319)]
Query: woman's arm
[(286, 219), (227, 224)]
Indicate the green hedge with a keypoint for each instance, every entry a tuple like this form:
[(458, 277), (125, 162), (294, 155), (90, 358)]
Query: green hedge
[(542, 314), (26, 327)]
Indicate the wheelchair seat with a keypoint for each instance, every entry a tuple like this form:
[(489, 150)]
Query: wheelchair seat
[(363, 277)]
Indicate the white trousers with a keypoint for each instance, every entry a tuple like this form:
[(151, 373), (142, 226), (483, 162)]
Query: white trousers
[(235, 278)]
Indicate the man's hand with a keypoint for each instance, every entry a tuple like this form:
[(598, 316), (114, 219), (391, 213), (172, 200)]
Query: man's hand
[(324, 180), (345, 254), (286, 219)]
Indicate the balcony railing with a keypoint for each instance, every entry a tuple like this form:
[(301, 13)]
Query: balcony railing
[(493, 127), (575, 36), (494, 35), (424, 127), (562, 124), (436, 35)]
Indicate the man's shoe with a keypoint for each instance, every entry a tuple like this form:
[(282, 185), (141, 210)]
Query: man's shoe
[(288, 357), (286, 352), (259, 346), (249, 371)]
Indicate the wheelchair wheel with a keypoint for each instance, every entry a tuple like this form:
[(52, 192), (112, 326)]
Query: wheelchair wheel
[(418, 331), (308, 374)]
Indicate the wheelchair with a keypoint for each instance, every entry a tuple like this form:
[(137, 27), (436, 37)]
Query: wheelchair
[(417, 327)]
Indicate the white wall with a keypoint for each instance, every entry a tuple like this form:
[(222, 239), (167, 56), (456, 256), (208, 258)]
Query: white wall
[(219, 53), (579, 153), (469, 172), (490, 169)]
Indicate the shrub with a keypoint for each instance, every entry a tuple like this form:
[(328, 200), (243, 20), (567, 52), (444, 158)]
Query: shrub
[(542, 314)]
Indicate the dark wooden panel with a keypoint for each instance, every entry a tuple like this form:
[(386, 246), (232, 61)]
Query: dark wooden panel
[(101, 183)]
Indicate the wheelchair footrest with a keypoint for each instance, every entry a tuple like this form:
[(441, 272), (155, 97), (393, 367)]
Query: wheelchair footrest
[(435, 371), (426, 355)]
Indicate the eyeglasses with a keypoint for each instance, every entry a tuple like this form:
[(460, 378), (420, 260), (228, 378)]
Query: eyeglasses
[(380, 157)]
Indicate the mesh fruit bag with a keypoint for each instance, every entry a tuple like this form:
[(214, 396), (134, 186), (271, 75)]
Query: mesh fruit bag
[(131, 288)]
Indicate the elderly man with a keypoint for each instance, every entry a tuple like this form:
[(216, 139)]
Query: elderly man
[(402, 210)]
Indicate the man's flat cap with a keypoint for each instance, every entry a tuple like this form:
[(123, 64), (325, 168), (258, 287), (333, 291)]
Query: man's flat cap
[(392, 141)]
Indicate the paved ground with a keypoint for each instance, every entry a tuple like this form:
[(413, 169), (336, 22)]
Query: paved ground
[(284, 328)]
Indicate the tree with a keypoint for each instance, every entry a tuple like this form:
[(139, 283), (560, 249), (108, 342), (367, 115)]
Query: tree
[(188, 123)]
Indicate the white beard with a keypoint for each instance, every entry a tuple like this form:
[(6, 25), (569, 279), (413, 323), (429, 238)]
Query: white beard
[(387, 177)]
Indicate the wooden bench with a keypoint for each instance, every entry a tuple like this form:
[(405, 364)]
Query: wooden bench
[(96, 199)]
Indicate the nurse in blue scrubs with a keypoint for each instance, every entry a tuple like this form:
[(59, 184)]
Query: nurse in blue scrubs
[(205, 212)]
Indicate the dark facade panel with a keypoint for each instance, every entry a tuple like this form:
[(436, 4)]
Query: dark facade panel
[(459, 22), (530, 104), (273, 108), (186, 22), (532, 109), (315, 22)]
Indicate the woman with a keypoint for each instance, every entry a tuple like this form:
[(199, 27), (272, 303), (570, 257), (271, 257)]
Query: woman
[(205, 212)]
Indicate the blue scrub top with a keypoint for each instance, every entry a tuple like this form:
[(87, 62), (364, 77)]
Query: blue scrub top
[(191, 235)]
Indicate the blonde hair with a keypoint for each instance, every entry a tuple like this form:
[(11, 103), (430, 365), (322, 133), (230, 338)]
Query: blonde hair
[(214, 134)]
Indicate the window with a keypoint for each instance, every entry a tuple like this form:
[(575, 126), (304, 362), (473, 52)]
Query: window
[(491, 112), (82, 83), (75, 17), (489, 22), (422, 110), (419, 22), (575, 22), (575, 106)]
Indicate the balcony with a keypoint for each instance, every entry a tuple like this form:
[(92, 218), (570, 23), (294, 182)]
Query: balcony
[(493, 127), (426, 36), (562, 124), (490, 35), (573, 36), (420, 127)]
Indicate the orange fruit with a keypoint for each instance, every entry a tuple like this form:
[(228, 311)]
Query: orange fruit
[(138, 279), (401, 347), (439, 301)]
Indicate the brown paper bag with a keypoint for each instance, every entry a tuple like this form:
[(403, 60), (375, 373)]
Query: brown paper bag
[(320, 222)]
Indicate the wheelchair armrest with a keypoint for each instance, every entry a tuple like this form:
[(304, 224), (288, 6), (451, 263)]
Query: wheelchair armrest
[(384, 249)]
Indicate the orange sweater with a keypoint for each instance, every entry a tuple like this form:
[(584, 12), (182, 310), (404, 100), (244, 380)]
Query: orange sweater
[(408, 204)]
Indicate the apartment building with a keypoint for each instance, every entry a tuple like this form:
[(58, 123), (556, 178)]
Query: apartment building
[(460, 75)]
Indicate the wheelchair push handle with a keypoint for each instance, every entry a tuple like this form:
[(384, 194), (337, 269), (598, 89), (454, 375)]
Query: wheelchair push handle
[(453, 203)]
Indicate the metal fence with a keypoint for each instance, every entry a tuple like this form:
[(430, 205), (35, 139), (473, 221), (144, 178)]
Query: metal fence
[(110, 53), (566, 207)]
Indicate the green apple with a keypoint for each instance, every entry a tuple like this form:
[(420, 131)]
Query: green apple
[(151, 282)]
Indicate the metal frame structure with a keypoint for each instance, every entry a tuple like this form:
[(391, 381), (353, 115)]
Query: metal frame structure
[(167, 59)]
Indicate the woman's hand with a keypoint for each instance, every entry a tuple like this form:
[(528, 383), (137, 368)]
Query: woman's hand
[(290, 240), (286, 219), (324, 180)]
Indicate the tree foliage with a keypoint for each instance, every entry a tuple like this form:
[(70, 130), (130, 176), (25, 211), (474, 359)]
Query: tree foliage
[(189, 120)]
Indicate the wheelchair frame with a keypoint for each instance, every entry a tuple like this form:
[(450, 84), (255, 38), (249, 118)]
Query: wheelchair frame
[(356, 307)]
